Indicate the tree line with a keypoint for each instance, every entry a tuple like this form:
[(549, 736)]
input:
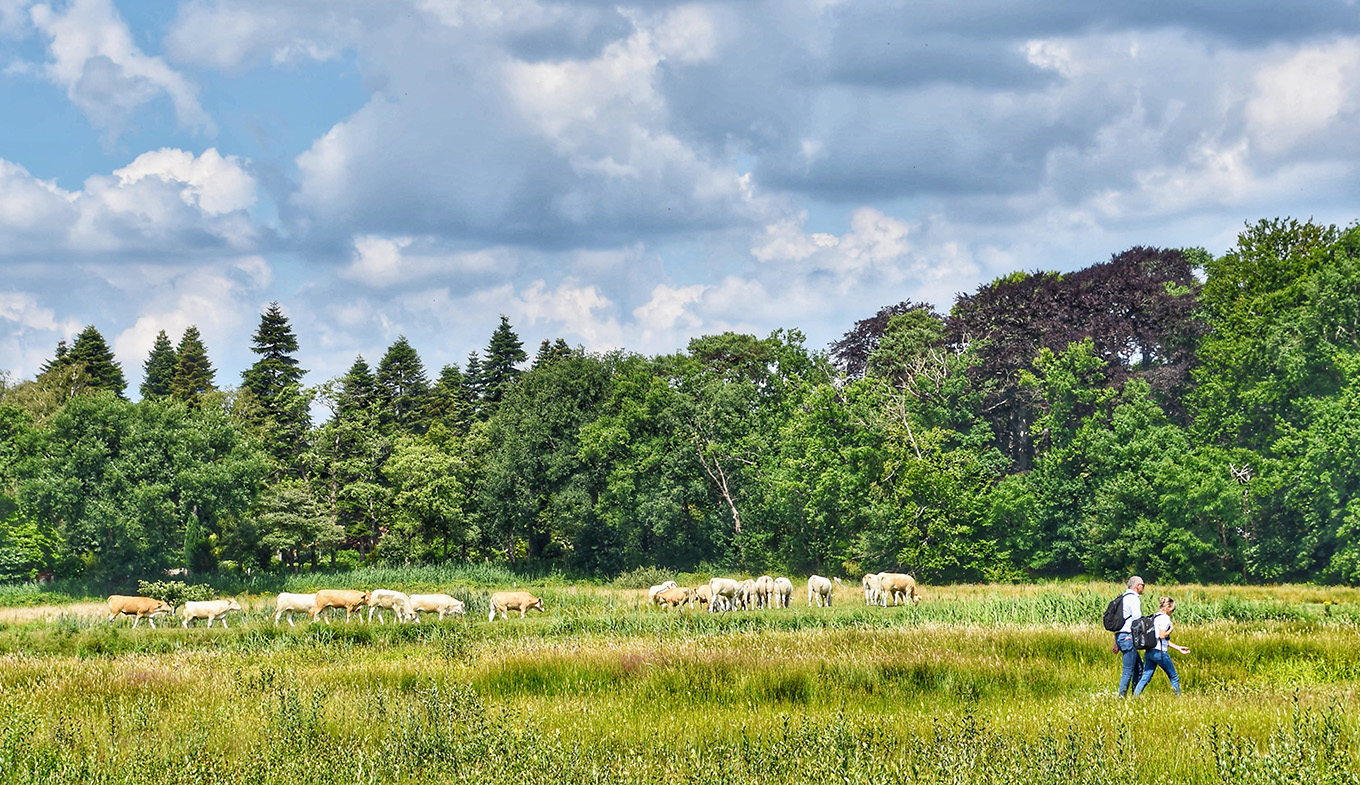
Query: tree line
[(1193, 417)]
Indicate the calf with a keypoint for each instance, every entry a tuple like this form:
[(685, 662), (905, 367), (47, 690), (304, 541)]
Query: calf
[(290, 604), (435, 603), (212, 610), (137, 607), (351, 601), (521, 601), (873, 586), (657, 589), (675, 598)]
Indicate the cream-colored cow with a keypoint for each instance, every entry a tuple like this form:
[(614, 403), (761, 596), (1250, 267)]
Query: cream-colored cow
[(521, 601)]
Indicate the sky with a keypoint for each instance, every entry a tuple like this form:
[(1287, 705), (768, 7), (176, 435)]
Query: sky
[(628, 175)]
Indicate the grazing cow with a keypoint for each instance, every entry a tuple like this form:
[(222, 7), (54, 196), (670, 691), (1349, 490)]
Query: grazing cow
[(657, 589), (819, 589), (290, 604), (783, 592), (746, 598), (703, 594), (764, 591), (873, 585), (441, 604), (351, 601), (899, 586), (395, 601), (521, 601), (212, 610), (137, 607), (724, 596), (676, 598)]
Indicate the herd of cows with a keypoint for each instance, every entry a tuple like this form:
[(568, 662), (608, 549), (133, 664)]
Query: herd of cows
[(719, 594), (725, 594)]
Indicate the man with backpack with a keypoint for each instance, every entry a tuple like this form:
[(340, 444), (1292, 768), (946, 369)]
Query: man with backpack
[(1118, 618)]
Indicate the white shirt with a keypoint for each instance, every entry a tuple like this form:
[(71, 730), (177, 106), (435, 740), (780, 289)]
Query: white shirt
[(1133, 608), (1162, 623)]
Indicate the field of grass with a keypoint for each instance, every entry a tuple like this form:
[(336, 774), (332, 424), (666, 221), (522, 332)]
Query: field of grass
[(978, 684)]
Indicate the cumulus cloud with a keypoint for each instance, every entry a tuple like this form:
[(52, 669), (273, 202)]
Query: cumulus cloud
[(574, 309), (164, 202), (93, 56)]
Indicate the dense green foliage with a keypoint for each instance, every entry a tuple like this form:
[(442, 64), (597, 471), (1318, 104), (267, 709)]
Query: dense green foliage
[(1166, 412)]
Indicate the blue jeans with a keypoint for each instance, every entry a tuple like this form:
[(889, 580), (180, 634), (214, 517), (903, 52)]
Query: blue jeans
[(1155, 660), (1133, 664)]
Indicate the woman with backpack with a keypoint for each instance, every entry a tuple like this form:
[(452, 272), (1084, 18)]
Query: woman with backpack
[(1160, 657)]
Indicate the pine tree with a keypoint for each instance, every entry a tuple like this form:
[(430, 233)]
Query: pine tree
[(402, 388), (159, 368), (91, 351), (503, 353), (193, 373), (271, 376)]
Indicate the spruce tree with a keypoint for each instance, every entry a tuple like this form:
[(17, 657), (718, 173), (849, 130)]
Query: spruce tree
[(276, 373), (91, 351), (193, 373), (402, 388), (357, 389), (503, 353), (451, 400), (61, 360), (159, 368)]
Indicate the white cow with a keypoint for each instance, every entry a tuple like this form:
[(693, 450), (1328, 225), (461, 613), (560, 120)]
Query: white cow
[(724, 594), (873, 585), (783, 592), (746, 598), (212, 610), (395, 601), (657, 589), (764, 591), (441, 604), (290, 604), (819, 590)]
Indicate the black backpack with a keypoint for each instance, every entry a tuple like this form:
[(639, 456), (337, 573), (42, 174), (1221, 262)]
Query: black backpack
[(1144, 633), (1114, 614)]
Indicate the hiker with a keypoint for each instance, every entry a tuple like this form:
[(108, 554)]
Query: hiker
[(1160, 657), (1123, 640)]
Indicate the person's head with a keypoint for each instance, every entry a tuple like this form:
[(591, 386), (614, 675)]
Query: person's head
[(1136, 584), (1166, 605)]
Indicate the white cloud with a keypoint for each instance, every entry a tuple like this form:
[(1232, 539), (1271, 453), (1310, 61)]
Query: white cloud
[(574, 309), (104, 72), (164, 201), (383, 262), (1305, 92), (25, 313)]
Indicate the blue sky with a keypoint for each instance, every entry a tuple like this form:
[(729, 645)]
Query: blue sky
[(627, 176)]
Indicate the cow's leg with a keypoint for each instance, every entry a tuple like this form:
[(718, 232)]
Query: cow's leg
[(224, 621)]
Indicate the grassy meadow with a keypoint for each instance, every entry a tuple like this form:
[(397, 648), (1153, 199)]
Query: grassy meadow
[(977, 684)]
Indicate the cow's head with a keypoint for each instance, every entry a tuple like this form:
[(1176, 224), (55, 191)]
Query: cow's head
[(232, 604), (538, 605), (164, 607)]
